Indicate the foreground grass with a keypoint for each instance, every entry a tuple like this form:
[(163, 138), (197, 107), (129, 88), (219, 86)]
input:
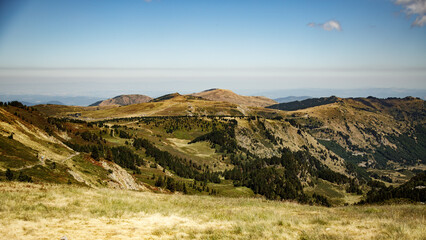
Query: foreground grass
[(33, 211)]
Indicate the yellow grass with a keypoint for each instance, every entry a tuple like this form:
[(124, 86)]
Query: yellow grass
[(31, 211)]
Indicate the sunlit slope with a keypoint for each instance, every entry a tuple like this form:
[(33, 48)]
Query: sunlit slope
[(32, 137), (31, 146)]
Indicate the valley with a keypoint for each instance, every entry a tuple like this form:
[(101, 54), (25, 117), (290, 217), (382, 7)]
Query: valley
[(332, 154), (158, 119)]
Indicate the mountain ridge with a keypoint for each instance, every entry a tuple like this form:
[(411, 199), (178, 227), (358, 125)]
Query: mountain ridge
[(291, 99), (307, 103), (122, 100)]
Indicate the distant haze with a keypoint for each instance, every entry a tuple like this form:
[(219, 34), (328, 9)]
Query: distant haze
[(294, 94)]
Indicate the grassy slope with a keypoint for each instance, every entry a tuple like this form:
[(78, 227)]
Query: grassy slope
[(30, 211), (14, 154), (32, 136)]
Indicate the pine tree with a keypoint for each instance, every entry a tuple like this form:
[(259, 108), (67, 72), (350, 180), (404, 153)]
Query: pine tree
[(159, 182), (185, 191), (95, 154), (170, 184), (9, 174)]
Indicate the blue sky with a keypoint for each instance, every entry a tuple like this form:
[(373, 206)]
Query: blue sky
[(106, 46)]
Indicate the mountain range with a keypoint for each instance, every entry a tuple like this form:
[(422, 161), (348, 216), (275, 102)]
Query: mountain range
[(235, 145), (220, 95)]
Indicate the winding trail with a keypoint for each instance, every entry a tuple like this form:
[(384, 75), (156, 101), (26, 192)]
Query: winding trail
[(71, 156)]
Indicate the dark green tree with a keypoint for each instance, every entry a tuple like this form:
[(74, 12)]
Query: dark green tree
[(185, 191), (24, 178), (95, 154), (9, 174), (159, 182)]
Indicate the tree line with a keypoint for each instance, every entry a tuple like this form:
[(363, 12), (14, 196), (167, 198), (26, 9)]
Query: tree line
[(121, 155)]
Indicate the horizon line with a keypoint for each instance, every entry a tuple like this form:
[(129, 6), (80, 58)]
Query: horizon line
[(317, 69)]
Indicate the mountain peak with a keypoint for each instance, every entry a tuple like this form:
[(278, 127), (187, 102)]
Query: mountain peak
[(225, 95), (123, 100)]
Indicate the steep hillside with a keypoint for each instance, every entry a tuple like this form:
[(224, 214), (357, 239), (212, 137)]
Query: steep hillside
[(123, 100), (33, 149), (229, 96), (13, 127), (370, 132), (266, 138)]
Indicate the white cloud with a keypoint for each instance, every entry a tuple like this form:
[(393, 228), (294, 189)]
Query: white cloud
[(332, 25), (414, 8), (420, 21), (327, 26)]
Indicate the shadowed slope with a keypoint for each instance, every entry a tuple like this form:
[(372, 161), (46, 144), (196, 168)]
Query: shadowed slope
[(312, 102)]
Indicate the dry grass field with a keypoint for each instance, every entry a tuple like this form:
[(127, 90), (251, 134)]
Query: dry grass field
[(41, 211)]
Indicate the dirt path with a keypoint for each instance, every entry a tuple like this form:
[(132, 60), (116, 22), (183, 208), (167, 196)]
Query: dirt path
[(70, 157)]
